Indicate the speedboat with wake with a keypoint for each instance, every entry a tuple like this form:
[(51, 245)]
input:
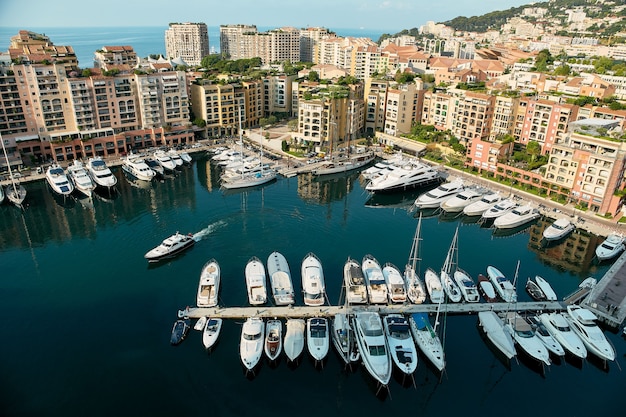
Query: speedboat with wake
[(170, 247), (401, 345), (372, 345)]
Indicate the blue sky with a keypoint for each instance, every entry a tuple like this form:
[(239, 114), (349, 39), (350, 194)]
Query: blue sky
[(368, 14)]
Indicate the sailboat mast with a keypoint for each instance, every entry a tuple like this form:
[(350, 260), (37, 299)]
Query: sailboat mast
[(6, 157), (241, 141)]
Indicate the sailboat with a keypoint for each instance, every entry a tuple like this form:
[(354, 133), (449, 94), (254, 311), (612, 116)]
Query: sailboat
[(449, 285), (14, 192), (415, 290)]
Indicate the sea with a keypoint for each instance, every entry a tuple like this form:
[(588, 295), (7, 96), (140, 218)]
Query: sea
[(86, 321), (148, 40)]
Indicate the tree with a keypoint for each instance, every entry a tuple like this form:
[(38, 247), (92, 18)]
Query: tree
[(199, 122), (404, 77), (293, 125), (313, 76), (533, 149)]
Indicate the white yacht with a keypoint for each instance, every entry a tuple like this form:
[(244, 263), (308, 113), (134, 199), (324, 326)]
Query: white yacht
[(524, 336), (170, 247), (136, 167), (610, 247), (347, 164), (546, 288), (280, 279), (248, 180), (558, 230), (583, 322), (344, 339), (372, 345), (558, 326), (313, 281), (433, 286), (209, 285), (463, 199), (516, 217), (415, 289), (427, 339), (57, 180), (435, 197), (165, 161), (381, 167), (544, 335), (477, 208), (154, 166), (400, 343), (376, 286), (395, 283), (175, 157), (100, 173), (354, 282), (273, 345), (251, 342), (503, 285), (211, 332), (185, 157), (317, 338), (467, 286), (499, 209), (256, 281), (294, 339), (404, 178), (77, 173), (493, 326)]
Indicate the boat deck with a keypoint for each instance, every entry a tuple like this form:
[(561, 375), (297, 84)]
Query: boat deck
[(607, 299), (329, 311)]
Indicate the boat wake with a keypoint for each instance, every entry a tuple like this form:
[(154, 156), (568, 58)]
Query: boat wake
[(198, 236)]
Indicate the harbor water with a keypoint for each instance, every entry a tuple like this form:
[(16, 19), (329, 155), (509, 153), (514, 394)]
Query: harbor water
[(86, 320)]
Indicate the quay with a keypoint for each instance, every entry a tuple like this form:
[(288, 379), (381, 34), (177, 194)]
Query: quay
[(607, 299), (330, 311)]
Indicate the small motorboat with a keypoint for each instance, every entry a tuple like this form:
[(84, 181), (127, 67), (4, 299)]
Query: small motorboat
[(251, 342), (273, 339), (534, 290), (344, 339), (504, 287), (256, 281), (317, 338), (467, 286), (546, 288), (395, 283), (294, 339), (209, 285), (612, 246), (200, 324), (401, 345), (434, 287), (211, 332), (170, 247), (486, 289), (558, 230), (525, 337), (313, 280), (544, 335), (179, 331)]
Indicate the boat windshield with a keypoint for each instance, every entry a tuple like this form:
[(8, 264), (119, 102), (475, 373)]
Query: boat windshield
[(378, 350), (255, 336)]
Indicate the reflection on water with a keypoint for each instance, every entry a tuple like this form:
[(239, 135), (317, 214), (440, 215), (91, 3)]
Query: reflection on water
[(327, 188)]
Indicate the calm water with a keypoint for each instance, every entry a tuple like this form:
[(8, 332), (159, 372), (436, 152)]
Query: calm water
[(146, 41), (86, 322)]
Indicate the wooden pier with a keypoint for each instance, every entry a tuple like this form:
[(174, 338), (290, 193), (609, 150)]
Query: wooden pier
[(607, 299), (329, 311)]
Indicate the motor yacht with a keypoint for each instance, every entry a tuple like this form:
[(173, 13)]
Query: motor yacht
[(463, 199), (100, 173), (466, 284), (524, 336), (404, 178), (251, 342), (583, 322), (433, 286), (544, 335), (558, 326), (546, 288), (486, 289), (209, 285), (400, 343), (57, 180), (273, 345), (534, 290), (77, 174), (558, 230), (503, 285), (372, 345), (347, 164), (499, 209), (395, 283), (493, 326), (185, 157), (136, 167), (293, 344), (248, 180), (280, 279), (344, 339), (317, 338), (477, 208), (164, 160), (170, 247), (516, 217), (435, 197), (427, 339), (256, 281), (612, 246), (354, 282), (211, 332), (313, 281), (175, 157), (375, 280)]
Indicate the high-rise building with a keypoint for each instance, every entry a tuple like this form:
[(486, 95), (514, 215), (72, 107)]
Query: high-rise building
[(189, 41), (231, 39)]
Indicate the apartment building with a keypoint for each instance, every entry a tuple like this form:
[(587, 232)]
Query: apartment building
[(375, 104), (473, 114), (189, 41), (402, 108), (231, 41), (278, 93), (438, 109), (31, 47), (504, 112), (309, 38), (110, 57)]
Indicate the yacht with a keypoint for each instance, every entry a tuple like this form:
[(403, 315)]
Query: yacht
[(516, 217), (404, 178), (100, 173), (463, 199), (415, 289), (57, 180), (486, 289), (256, 281), (546, 288), (185, 157), (450, 287), (435, 197), (610, 247), (493, 326), (155, 166), (427, 339), (165, 161), (381, 168), (466, 284), (558, 230), (376, 286), (251, 342), (317, 338), (583, 322), (15, 193), (477, 208), (544, 335), (313, 281), (558, 326), (77, 174), (395, 283), (524, 336), (175, 157), (273, 345), (170, 247), (372, 345), (248, 180), (347, 164), (503, 285), (354, 282), (433, 286), (211, 332), (280, 279), (294, 339), (534, 290), (136, 167), (499, 209), (209, 285), (400, 343), (344, 339)]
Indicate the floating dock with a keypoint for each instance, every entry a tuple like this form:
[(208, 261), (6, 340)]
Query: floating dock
[(607, 299)]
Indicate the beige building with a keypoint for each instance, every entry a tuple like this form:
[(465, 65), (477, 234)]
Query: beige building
[(110, 57), (402, 108), (277, 93), (189, 41), (231, 40), (309, 38)]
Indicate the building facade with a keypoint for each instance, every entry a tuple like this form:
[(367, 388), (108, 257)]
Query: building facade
[(189, 41)]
